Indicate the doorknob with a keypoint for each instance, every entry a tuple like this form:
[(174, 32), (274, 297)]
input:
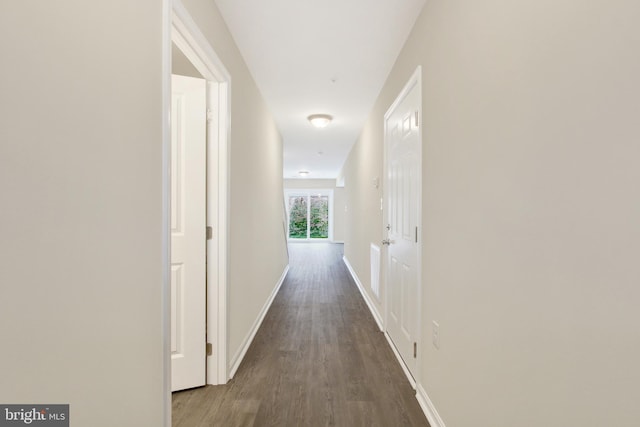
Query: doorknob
[(386, 242)]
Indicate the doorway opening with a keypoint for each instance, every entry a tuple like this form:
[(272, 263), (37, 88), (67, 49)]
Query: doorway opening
[(194, 55)]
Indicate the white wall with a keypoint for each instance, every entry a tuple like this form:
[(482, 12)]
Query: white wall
[(80, 179), (181, 65), (339, 201), (531, 233), (363, 217), (257, 245)]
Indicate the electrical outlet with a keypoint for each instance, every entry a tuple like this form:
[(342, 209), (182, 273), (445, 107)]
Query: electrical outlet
[(435, 336)]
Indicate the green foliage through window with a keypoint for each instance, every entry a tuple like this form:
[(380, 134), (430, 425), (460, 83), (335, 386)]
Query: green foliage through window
[(319, 227), (298, 217), (309, 217)]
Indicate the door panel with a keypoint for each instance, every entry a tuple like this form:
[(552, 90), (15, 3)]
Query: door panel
[(403, 160), (188, 232)]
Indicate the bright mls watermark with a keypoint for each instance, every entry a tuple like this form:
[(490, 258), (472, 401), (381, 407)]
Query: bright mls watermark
[(34, 415)]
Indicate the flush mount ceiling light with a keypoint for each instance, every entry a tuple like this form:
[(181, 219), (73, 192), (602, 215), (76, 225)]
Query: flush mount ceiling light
[(303, 173), (320, 120)]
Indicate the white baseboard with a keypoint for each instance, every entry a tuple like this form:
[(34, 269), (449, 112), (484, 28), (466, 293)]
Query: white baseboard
[(427, 407), (365, 295), (239, 356)]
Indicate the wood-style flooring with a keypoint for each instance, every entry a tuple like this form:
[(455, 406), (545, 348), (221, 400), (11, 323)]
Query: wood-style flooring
[(319, 359)]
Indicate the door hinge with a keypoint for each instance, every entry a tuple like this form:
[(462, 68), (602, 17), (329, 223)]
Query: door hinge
[(209, 349), (416, 118), (209, 233), (415, 350), (209, 115), (416, 234)]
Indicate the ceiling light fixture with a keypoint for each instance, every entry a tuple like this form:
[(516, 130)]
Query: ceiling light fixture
[(320, 120), (303, 173)]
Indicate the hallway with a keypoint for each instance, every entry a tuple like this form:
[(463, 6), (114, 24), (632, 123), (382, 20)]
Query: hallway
[(319, 359)]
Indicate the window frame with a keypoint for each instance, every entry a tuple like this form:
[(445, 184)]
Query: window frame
[(308, 193)]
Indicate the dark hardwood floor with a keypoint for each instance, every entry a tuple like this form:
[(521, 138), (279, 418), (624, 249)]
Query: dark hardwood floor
[(319, 359)]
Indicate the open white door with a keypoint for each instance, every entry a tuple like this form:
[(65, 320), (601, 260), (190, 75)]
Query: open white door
[(188, 232), (403, 150)]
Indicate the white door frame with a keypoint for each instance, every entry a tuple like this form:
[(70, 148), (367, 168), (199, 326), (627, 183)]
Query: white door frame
[(414, 80), (180, 28)]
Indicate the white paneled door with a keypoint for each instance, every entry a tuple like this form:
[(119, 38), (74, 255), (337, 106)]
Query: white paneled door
[(188, 232), (403, 199)]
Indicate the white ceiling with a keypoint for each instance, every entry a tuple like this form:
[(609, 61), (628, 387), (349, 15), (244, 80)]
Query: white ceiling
[(310, 56)]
